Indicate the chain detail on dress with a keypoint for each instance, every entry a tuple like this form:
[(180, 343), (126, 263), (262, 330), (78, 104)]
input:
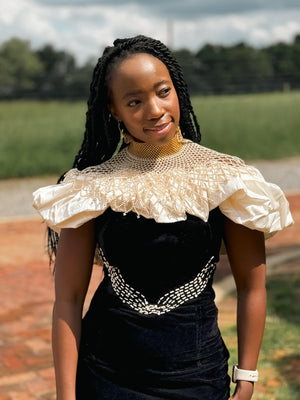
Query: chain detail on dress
[(169, 301)]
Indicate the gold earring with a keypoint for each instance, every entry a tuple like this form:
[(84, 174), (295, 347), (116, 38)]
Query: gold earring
[(179, 135), (126, 137)]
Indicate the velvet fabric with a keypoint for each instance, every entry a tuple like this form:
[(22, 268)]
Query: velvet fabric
[(177, 355)]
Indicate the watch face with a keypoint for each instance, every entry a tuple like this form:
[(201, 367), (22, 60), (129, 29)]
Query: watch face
[(234, 373)]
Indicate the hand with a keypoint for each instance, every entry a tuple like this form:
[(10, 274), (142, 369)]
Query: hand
[(243, 391)]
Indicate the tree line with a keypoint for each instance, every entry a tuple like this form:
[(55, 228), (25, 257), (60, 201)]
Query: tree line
[(47, 73)]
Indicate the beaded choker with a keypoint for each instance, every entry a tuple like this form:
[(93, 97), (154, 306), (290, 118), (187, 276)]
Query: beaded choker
[(146, 150)]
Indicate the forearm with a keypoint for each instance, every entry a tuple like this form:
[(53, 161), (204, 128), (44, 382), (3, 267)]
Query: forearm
[(246, 253), (251, 314), (66, 331)]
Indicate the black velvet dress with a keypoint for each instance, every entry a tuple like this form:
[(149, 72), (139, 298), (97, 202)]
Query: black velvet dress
[(151, 330)]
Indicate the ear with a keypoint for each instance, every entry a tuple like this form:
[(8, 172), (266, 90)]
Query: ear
[(114, 112)]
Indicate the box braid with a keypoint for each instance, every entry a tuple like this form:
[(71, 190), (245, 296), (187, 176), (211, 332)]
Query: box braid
[(102, 136)]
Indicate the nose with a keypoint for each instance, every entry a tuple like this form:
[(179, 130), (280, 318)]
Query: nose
[(155, 109)]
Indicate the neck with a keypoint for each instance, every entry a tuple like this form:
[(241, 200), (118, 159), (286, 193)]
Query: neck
[(147, 150)]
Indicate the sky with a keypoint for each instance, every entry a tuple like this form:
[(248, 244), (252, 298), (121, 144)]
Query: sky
[(85, 27)]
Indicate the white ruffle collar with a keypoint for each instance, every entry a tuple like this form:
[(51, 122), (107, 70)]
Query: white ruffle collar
[(193, 180)]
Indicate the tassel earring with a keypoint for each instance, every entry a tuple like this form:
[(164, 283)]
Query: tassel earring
[(126, 136)]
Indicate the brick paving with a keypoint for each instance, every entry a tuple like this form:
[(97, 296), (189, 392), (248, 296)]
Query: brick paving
[(26, 287)]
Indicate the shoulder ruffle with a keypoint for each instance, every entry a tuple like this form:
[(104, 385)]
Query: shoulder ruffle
[(193, 181)]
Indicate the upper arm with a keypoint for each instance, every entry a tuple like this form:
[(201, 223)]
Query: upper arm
[(74, 262), (246, 254)]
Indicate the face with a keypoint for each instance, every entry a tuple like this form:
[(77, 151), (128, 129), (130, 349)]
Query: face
[(143, 97)]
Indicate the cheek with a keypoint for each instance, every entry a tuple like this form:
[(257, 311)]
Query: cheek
[(133, 117), (176, 108), (133, 122)]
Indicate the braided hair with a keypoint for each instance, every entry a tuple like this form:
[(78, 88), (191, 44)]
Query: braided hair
[(102, 136)]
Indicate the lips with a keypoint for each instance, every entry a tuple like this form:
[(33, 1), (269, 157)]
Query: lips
[(159, 129)]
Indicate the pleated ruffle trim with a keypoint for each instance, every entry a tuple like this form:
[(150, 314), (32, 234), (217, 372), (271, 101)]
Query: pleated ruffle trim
[(193, 181)]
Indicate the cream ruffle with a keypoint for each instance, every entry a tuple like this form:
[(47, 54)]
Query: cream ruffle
[(195, 180)]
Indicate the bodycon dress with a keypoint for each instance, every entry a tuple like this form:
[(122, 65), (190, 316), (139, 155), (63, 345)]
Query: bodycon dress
[(151, 330)]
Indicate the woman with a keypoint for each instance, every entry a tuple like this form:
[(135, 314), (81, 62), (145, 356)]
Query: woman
[(156, 211)]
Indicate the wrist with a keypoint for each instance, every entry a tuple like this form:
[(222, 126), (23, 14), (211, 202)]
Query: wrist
[(243, 391)]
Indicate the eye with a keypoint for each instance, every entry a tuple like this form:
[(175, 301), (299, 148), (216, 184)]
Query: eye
[(165, 91), (133, 103)]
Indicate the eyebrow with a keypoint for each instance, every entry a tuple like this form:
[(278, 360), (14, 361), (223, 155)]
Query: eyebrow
[(136, 92)]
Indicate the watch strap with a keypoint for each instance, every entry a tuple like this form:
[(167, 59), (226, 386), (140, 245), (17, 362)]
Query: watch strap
[(244, 375)]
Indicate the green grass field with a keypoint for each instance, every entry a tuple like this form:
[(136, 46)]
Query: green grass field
[(259, 126), (38, 138)]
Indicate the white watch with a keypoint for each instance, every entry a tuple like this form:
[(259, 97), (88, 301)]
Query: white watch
[(243, 375)]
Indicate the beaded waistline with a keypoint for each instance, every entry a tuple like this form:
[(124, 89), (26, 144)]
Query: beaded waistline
[(169, 301)]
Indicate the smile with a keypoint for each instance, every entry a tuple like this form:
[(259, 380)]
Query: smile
[(160, 129)]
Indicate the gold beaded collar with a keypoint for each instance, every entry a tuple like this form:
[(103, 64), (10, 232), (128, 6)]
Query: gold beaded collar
[(146, 150)]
